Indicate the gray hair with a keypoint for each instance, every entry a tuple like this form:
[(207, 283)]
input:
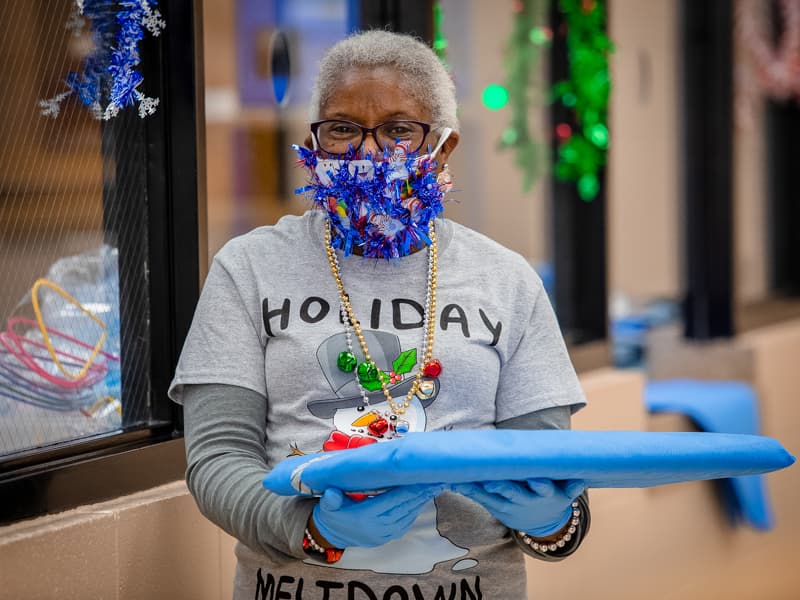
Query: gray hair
[(428, 81)]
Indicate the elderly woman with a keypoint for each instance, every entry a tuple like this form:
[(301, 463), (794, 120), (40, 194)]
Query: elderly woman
[(368, 317)]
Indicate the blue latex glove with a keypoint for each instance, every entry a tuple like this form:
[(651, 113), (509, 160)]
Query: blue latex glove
[(539, 507), (371, 522)]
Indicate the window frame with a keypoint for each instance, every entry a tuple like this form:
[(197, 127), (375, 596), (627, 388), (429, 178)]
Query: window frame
[(706, 42), (414, 17), (171, 143)]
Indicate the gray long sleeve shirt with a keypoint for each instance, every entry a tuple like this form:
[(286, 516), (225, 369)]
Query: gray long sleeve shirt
[(258, 379)]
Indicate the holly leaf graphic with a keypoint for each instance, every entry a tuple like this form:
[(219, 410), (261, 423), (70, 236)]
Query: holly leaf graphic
[(405, 362)]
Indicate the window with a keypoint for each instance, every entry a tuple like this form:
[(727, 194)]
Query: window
[(98, 254)]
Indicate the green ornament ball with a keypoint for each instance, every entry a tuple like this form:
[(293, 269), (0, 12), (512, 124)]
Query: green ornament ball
[(367, 372), (346, 361)]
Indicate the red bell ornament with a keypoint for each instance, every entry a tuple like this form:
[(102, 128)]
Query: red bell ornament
[(378, 427), (432, 368)]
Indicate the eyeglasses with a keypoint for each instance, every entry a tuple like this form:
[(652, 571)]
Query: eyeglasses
[(337, 137)]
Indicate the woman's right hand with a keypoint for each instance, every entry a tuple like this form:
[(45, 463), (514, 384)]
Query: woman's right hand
[(373, 521)]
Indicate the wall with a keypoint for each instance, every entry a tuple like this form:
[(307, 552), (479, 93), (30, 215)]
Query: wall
[(661, 543), (643, 215), (749, 185)]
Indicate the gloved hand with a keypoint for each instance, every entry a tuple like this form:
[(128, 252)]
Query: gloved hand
[(539, 507), (373, 521)]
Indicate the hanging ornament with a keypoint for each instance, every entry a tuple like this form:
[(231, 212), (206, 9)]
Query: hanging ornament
[(346, 361), (109, 80), (432, 368)]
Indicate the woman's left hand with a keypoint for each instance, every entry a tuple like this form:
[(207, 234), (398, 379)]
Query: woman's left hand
[(539, 507)]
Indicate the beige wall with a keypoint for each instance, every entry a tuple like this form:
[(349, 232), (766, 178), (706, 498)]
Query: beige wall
[(643, 216), (749, 185), (660, 543)]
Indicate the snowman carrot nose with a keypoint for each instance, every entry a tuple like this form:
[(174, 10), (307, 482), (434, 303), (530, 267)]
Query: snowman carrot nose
[(365, 420)]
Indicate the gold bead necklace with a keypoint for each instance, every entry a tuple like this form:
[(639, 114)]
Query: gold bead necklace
[(429, 366)]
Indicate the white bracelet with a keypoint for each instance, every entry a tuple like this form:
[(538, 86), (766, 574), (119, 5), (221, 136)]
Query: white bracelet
[(560, 542), (313, 543)]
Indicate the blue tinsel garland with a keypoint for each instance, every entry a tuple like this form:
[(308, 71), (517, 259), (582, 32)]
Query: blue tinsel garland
[(360, 209), (109, 79)]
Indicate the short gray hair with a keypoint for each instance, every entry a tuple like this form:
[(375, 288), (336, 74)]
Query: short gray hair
[(428, 81)]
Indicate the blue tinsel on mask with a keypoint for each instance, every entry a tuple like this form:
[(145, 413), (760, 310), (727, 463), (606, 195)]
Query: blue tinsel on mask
[(355, 203)]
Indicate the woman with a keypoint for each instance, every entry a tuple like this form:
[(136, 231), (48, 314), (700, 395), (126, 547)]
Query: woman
[(299, 345)]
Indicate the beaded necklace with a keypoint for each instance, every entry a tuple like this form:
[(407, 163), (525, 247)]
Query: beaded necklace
[(368, 370)]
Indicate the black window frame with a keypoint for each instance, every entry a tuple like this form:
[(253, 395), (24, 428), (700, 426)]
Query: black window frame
[(706, 42), (171, 145), (414, 17)]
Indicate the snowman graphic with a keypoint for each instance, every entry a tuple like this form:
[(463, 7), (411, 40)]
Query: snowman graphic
[(357, 424)]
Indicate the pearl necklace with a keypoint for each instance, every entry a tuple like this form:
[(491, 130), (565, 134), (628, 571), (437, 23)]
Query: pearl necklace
[(429, 366)]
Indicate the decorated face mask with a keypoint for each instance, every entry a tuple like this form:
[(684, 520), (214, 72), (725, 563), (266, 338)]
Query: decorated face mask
[(383, 206)]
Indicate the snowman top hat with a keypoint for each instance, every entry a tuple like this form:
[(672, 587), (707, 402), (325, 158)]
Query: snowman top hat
[(384, 348)]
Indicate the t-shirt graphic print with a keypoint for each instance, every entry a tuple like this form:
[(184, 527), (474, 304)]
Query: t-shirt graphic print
[(356, 423)]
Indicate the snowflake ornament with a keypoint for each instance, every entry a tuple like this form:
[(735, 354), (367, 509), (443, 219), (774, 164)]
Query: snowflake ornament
[(109, 79)]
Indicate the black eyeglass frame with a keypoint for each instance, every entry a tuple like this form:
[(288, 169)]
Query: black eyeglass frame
[(426, 129)]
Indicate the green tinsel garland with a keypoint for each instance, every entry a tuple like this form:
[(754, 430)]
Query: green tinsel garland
[(524, 54), (439, 39), (582, 152)]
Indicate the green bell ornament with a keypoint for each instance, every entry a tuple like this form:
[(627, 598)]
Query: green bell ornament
[(346, 361)]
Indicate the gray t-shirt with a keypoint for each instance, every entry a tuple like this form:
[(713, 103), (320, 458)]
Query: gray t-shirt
[(268, 321)]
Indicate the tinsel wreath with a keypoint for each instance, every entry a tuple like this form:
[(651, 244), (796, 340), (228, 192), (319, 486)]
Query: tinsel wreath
[(439, 39), (767, 64), (109, 80), (387, 215), (776, 64)]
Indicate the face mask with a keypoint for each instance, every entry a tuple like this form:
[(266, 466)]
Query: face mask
[(382, 206)]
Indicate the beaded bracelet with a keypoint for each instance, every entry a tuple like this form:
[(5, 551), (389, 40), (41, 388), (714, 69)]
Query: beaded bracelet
[(560, 542), (331, 554)]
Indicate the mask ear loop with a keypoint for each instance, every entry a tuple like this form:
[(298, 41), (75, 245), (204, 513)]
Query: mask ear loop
[(442, 139)]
